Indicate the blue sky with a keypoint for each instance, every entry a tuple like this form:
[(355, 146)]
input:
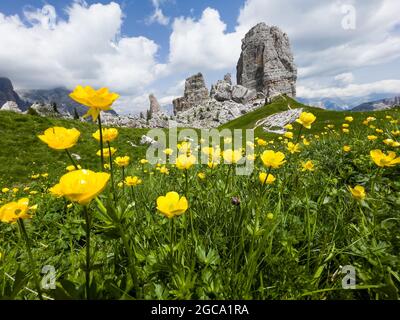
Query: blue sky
[(343, 48)]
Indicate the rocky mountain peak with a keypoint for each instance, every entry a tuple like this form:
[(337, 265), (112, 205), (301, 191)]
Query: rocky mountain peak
[(7, 93), (266, 62), (154, 105)]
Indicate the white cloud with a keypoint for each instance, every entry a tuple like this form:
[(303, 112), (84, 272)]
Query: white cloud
[(351, 90), (345, 78), (158, 15), (80, 50), (203, 44)]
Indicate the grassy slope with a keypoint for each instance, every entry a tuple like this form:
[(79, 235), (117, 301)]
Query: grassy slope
[(23, 154), (280, 104)]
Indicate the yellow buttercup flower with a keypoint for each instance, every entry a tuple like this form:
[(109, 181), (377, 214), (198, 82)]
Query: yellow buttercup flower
[(272, 159), (396, 133), (270, 216), (306, 119), (212, 164), (358, 192), (264, 179), (288, 127), (60, 138), (369, 119), (349, 119), (372, 138), (81, 186), (72, 168), (307, 166), (331, 126), (15, 190), (143, 161), (345, 130), (168, 151), (288, 135), (185, 161), (12, 211), (201, 175), (293, 147), (306, 142), (379, 131), (132, 181), (345, 125), (346, 148), (232, 156), (261, 142), (122, 161), (106, 152), (164, 170), (35, 176), (5, 190), (109, 134), (395, 144), (44, 175), (95, 100), (384, 160), (388, 142), (172, 205)]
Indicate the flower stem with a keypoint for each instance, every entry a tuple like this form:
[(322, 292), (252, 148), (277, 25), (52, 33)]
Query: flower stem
[(101, 143), (111, 169), (72, 159), (123, 180), (30, 256), (298, 136), (87, 269)]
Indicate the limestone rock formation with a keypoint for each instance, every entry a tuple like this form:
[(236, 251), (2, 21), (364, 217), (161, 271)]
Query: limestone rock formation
[(195, 92), (266, 62), (11, 106), (47, 110), (154, 105)]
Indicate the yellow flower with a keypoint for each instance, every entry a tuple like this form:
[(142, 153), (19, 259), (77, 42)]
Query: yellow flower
[(372, 138), (272, 159), (345, 130), (346, 148), (212, 164), (109, 134), (370, 119), (168, 151), (331, 126), (395, 144), (69, 206), (293, 147), (396, 133), (208, 150), (12, 211), (184, 147), (44, 175), (201, 175), (120, 184), (172, 205), (232, 156), (345, 125), (266, 180), (164, 170), (95, 100), (379, 131), (388, 142), (307, 166), (288, 135), (122, 161), (261, 142), (143, 161), (33, 192), (106, 152), (270, 216), (60, 138), (288, 127), (389, 117), (107, 166), (132, 181), (5, 190), (372, 126), (81, 186), (306, 119), (15, 190), (306, 142), (185, 162), (358, 192), (72, 168), (383, 160), (349, 119)]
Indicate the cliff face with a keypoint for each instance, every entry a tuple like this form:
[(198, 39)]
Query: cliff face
[(266, 62), (7, 93)]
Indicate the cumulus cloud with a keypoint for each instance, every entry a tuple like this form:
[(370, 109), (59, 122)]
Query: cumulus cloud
[(47, 51), (158, 15), (345, 78), (203, 44)]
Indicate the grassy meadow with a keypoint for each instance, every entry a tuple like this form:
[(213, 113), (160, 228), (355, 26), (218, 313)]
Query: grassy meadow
[(239, 238)]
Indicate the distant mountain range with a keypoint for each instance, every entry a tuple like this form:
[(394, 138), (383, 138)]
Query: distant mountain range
[(344, 103), (381, 104), (25, 98)]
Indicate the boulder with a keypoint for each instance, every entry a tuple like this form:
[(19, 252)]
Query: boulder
[(154, 105), (241, 94)]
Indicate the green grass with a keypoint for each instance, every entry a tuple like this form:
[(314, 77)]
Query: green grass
[(215, 250)]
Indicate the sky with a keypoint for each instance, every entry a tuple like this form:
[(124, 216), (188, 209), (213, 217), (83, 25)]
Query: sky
[(342, 48)]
